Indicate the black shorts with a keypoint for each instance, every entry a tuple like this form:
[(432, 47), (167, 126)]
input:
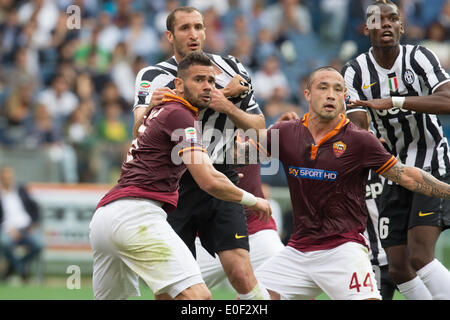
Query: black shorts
[(401, 210), (221, 225)]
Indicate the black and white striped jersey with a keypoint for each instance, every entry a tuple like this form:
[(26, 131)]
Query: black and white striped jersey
[(374, 188), (218, 131), (417, 139)]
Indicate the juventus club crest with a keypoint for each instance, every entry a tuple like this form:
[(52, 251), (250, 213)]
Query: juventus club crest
[(408, 77), (339, 148)]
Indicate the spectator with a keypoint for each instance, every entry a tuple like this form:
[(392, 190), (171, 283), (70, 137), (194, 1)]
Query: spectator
[(437, 42), (113, 134), (287, 16), (122, 73), (58, 100), (9, 30), (161, 16), (142, 40), (19, 220), (17, 116), (45, 13), (215, 38), (270, 78)]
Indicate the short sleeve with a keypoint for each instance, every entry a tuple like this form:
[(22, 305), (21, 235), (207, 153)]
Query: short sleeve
[(427, 64), (376, 157)]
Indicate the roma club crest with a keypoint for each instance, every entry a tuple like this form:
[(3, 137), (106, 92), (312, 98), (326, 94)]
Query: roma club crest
[(339, 148)]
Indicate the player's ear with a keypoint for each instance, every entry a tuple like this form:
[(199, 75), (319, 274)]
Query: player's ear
[(307, 94), (402, 29), (169, 36), (366, 30), (179, 86)]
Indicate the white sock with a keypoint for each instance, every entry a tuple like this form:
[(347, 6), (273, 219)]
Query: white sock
[(437, 279), (414, 289), (259, 292)]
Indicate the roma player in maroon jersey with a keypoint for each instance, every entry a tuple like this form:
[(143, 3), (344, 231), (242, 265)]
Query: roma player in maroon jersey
[(327, 159), (129, 234)]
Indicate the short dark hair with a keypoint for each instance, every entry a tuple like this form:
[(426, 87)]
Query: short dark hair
[(170, 21), (193, 58), (380, 3), (325, 68)]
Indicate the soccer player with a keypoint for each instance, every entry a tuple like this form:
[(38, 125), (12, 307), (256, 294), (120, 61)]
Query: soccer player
[(129, 234), (326, 159), (377, 254), (402, 88), (221, 225), (263, 237)]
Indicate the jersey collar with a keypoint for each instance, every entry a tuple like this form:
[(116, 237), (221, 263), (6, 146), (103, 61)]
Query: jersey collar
[(328, 136), (168, 97)]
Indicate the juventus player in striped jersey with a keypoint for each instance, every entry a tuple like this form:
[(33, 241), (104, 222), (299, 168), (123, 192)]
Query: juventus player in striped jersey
[(221, 225), (403, 87), (374, 187)]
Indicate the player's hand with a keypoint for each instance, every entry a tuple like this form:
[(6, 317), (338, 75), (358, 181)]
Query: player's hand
[(263, 208), (158, 96), (14, 234), (378, 104), (236, 87), (219, 102), (290, 115)]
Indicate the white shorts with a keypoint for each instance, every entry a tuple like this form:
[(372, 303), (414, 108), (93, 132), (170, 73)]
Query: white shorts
[(130, 238), (263, 245), (343, 273)]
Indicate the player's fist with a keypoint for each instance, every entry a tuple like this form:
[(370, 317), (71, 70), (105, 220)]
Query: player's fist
[(237, 87), (158, 96), (263, 208)]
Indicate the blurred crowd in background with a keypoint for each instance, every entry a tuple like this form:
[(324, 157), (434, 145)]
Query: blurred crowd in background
[(69, 92)]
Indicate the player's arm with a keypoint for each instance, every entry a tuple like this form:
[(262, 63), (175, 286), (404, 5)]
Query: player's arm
[(417, 180), (436, 103), (355, 113), (218, 185), (141, 110), (241, 119), (360, 118)]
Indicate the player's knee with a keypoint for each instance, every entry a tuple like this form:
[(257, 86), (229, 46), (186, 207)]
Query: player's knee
[(195, 292), (401, 272), (241, 276), (420, 258)]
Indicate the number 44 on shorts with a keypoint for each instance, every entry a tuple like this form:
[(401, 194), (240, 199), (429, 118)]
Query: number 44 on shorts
[(355, 283)]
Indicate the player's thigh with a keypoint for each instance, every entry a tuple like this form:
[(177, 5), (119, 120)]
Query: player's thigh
[(430, 211), (146, 243), (224, 227), (111, 279), (210, 267), (395, 207), (345, 273), (288, 274), (263, 245)]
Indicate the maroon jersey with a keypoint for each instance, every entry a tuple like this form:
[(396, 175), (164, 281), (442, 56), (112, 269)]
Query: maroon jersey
[(153, 166), (251, 182), (327, 181)]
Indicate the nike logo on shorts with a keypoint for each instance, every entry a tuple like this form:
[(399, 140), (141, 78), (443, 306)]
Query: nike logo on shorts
[(238, 237), (423, 214)]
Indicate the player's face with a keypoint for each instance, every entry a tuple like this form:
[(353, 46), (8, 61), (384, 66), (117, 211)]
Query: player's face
[(199, 85), (384, 27), (188, 33), (327, 95)]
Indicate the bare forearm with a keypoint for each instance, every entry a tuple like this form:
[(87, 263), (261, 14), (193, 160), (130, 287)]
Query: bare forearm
[(437, 103), (222, 188), (359, 118), (417, 180), (244, 120)]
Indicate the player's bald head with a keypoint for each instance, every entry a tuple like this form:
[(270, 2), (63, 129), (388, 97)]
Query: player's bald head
[(313, 75)]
